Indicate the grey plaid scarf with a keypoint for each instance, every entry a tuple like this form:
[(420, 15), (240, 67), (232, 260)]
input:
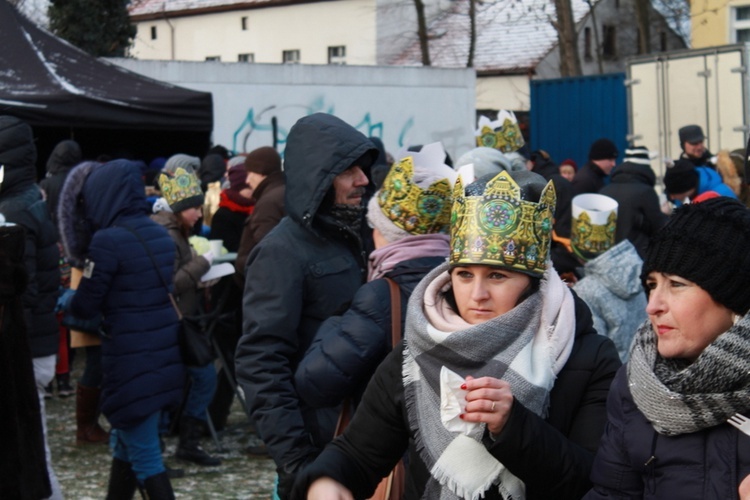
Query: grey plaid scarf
[(526, 346), (679, 397)]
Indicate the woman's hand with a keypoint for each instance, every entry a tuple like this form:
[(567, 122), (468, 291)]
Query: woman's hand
[(489, 400), (326, 488), (745, 488)]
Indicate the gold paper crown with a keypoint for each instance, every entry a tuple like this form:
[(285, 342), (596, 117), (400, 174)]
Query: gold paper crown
[(589, 240), (181, 189), (498, 228), (503, 134), (411, 208)]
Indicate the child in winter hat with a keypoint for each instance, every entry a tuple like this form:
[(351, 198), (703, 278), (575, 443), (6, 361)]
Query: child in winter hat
[(707, 244)]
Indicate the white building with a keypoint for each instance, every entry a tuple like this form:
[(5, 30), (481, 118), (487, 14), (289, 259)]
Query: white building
[(516, 40), (358, 32)]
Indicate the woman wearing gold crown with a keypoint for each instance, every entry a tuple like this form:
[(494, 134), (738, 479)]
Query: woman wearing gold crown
[(499, 388)]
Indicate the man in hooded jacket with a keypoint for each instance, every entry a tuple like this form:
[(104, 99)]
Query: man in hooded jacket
[(305, 270)]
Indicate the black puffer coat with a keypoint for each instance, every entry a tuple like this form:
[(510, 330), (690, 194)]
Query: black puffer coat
[(305, 270), (347, 349), (563, 444), (65, 156), (589, 179), (21, 202), (638, 213), (704, 465)]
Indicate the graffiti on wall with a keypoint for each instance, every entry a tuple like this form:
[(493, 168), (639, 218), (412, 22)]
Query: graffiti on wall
[(270, 125)]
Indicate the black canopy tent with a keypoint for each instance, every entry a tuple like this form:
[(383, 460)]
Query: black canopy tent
[(63, 93)]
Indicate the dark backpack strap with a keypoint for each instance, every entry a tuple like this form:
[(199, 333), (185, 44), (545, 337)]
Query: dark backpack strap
[(158, 271)]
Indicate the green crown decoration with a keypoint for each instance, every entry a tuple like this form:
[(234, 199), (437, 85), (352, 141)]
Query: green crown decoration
[(179, 186), (594, 221), (412, 208), (503, 134), (498, 228)]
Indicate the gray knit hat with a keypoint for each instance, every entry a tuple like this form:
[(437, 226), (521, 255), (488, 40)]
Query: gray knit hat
[(187, 162)]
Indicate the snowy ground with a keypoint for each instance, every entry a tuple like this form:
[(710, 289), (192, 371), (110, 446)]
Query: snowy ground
[(83, 470)]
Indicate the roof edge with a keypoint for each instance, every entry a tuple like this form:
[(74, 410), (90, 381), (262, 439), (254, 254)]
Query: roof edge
[(217, 8)]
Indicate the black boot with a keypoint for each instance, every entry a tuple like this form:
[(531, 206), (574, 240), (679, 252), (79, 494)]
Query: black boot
[(157, 487), (189, 448), (122, 482)]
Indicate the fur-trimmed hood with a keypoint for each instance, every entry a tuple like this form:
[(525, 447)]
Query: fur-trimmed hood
[(75, 234)]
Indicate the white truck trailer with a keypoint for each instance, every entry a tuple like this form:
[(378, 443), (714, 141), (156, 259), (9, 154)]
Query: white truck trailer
[(706, 87)]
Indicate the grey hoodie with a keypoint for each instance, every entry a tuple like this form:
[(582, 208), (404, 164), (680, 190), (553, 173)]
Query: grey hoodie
[(612, 289)]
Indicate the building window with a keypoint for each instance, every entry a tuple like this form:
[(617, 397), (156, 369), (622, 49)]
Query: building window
[(213, 58), (153, 32), (663, 41), (290, 56), (243, 22), (609, 45), (248, 58), (337, 55), (587, 45), (741, 24)]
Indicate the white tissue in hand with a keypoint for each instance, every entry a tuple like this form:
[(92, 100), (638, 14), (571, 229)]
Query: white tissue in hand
[(453, 402)]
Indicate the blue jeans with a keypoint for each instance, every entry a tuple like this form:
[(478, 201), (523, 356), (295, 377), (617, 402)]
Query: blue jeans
[(201, 392), (139, 446)]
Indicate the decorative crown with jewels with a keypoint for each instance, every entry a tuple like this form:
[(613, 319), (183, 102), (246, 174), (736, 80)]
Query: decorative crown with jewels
[(594, 221), (412, 208), (181, 189), (503, 134), (499, 228)]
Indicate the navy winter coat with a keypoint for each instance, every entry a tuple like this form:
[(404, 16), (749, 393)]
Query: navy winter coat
[(143, 370), (305, 270), (21, 203), (705, 465), (348, 348)]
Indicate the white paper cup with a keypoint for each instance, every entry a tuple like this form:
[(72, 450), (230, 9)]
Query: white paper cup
[(215, 246)]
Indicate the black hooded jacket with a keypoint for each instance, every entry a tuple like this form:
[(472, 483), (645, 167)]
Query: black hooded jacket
[(305, 270), (638, 214), (21, 202)]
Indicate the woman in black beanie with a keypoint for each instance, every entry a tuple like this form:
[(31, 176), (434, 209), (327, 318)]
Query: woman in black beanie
[(689, 369)]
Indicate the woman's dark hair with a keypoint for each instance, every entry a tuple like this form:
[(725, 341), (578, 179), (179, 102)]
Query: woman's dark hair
[(450, 297)]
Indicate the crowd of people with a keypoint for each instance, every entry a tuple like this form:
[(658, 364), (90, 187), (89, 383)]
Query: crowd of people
[(566, 332)]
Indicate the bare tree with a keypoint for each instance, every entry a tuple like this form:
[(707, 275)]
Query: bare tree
[(472, 33), (642, 19), (424, 42), (570, 63)]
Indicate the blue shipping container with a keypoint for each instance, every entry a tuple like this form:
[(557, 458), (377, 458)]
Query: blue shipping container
[(568, 114)]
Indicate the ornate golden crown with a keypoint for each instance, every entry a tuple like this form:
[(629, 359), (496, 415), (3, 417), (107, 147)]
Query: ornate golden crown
[(411, 208), (180, 186), (589, 240), (503, 134), (498, 228), (594, 220)]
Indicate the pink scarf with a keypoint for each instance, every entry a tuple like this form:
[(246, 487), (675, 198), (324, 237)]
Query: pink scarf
[(384, 259)]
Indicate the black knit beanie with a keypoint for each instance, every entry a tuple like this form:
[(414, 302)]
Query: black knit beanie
[(706, 243), (603, 149), (680, 177)]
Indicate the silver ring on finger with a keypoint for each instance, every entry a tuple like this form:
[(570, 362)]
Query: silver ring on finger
[(492, 408)]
